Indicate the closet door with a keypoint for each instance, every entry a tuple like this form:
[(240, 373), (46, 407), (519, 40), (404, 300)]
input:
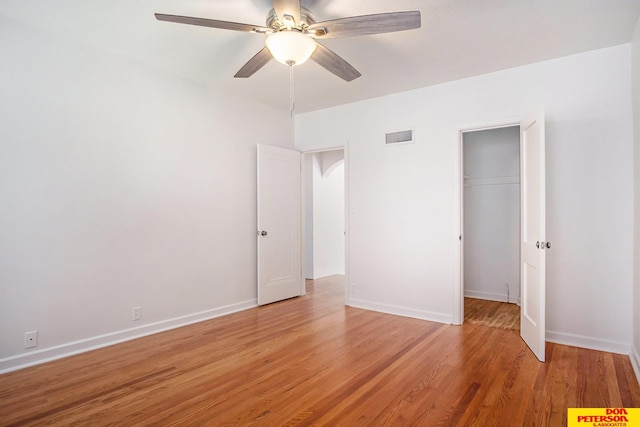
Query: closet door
[(533, 241)]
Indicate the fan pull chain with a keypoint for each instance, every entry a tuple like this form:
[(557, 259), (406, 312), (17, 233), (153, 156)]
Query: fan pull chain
[(291, 89)]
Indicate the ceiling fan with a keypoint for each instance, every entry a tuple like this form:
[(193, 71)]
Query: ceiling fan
[(293, 34)]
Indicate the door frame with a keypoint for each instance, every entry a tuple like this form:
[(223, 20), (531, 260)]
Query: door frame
[(312, 151), (458, 297)]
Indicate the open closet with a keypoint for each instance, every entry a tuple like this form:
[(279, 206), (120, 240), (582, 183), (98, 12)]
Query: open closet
[(491, 214)]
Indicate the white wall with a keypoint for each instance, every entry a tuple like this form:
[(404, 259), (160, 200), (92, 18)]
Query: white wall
[(492, 214), (120, 186), (328, 214), (408, 194), (636, 130)]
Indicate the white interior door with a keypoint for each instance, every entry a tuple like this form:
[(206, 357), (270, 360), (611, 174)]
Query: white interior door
[(279, 224), (533, 241)]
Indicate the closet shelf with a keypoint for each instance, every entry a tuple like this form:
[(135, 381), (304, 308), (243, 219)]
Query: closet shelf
[(497, 180)]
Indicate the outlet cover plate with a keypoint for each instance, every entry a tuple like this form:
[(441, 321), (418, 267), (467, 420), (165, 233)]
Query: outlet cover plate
[(31, 339)]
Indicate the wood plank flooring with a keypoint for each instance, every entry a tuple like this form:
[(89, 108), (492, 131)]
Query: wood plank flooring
[(492, 313), (312, 361)]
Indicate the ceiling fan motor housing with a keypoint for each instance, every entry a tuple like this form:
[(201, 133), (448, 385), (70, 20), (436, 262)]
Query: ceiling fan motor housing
[(306, 19)]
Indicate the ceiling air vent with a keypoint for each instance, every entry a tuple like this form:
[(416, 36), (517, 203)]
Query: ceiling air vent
[(402, 137)]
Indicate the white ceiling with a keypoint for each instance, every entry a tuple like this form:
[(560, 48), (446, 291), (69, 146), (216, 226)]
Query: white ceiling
[(458, 38)]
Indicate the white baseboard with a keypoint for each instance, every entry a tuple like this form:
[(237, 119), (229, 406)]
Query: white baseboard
[(401, 311), (468, 293), (551, 336), (31, 358), (326, 273), (635, 362), (588, 342)]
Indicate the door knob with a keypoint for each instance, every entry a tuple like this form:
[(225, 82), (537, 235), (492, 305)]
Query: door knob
[(263, 233)]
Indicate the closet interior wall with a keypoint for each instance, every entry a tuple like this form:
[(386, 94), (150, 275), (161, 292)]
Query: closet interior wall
[(491, 165)]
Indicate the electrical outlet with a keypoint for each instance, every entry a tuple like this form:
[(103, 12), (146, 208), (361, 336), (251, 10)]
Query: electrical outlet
[(136, 313), (30, 339)]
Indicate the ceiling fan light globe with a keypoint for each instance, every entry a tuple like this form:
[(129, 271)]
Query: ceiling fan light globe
[(290, 47)]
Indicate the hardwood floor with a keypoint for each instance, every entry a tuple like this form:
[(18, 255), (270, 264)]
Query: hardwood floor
[(310, 360), (492, 313)]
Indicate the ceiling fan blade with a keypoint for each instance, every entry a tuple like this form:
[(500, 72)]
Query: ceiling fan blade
[(254, 64), (334, 63), (366, 24), (287, 7), (203, 22)]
